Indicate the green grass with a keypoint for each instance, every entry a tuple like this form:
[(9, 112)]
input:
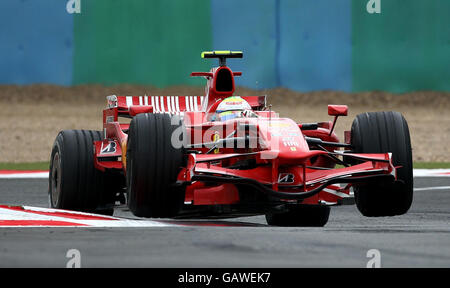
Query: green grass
[(25, 166), (431, 165), (45, 165)]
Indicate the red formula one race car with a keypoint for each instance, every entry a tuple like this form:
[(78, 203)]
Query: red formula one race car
[(220, 155)]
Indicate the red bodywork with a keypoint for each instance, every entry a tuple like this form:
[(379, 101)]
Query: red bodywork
[(282, 163)]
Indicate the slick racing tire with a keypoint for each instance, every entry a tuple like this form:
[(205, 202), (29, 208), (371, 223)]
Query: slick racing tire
[(153, 164), (382, 132), (300, 216), (74, 182)]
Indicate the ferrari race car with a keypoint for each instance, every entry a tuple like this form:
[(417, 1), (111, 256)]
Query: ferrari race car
[(221, 155)]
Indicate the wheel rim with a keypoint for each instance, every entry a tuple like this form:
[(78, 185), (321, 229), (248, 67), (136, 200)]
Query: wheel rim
[(56, 180)]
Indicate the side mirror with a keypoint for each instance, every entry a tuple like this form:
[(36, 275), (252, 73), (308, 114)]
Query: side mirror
[(135, 109), (337, 110)]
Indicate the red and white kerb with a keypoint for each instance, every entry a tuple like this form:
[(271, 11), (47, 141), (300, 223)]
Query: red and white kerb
[(24, 216)]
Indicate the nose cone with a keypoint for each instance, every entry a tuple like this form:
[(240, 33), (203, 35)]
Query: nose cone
[(285, 141)]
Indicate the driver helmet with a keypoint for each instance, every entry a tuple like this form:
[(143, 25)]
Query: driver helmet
[(232, 107)]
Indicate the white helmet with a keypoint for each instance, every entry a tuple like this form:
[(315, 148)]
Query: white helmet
[(232, 107)]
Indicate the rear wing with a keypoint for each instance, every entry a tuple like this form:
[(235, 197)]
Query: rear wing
[(162, 104), (172, 104)]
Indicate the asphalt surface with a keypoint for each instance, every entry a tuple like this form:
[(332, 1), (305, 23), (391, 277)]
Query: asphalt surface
[(420, 238)]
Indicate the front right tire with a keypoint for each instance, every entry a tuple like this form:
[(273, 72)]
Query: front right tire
[(153, 164)]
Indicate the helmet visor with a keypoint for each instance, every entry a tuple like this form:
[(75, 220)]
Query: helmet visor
[(228, 115)]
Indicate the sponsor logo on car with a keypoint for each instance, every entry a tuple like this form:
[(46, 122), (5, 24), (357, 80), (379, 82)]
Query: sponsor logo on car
[(286, 178), (109, 149)]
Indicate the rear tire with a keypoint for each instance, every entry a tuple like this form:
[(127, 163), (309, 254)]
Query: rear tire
[(74, 182), (300, 216), (383, 132), (153, 164)]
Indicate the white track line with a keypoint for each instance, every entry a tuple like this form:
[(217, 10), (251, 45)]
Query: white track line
[(433, 188), (417, 173), (24, 175)]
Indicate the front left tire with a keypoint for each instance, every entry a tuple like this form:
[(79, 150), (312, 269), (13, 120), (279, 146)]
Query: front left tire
[(383, 132)]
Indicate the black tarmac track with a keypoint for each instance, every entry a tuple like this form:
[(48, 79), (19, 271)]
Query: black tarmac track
[(420, 238)]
